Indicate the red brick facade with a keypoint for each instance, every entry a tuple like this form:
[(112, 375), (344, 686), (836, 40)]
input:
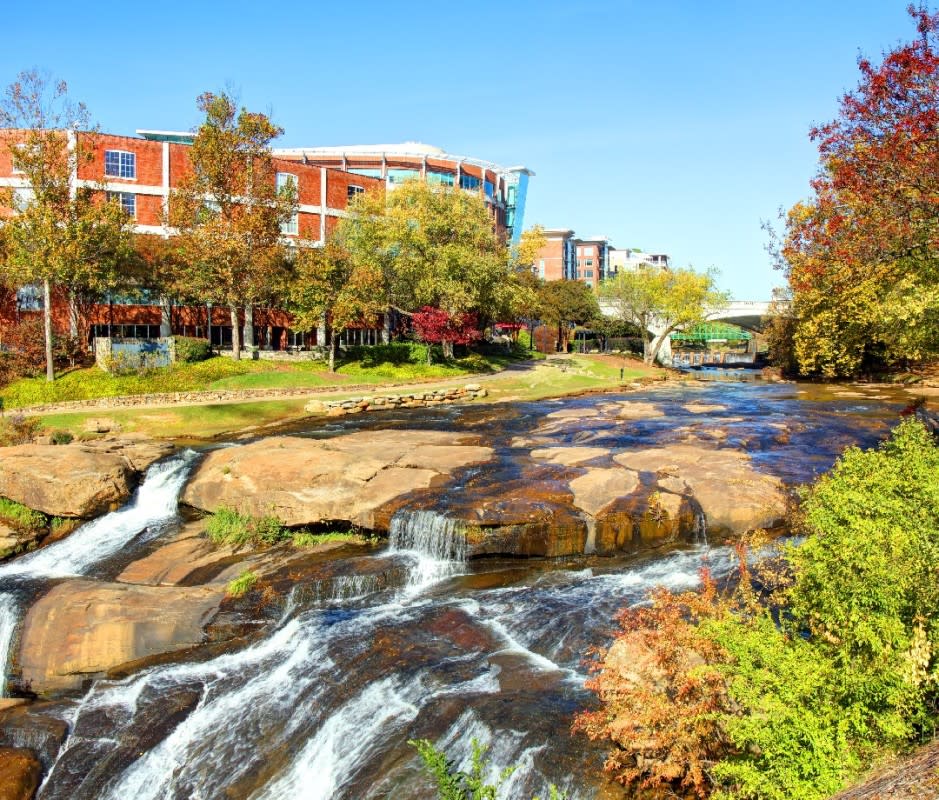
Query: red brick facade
[(153, 167)]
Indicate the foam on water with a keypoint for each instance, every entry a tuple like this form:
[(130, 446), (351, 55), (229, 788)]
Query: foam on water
[(9, 614), (152, 507)]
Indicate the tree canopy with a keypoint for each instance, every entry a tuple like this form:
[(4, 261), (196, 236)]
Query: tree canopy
[(59, 235), (659, 301), (230, 211), (861, 254)]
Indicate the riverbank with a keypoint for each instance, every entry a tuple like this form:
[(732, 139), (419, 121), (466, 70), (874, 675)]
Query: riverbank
[(206, 415)]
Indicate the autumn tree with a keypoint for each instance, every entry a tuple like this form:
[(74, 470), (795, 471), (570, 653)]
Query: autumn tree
[(230, 211), (431, 246), (60, 234), (861, 254), (659, 301), (327, 285), (562, 303)]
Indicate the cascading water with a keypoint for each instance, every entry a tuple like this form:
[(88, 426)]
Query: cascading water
[(152, 508), (9, 613), (436, 543)]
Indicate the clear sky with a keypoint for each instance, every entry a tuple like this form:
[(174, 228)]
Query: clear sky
[(670, 126)]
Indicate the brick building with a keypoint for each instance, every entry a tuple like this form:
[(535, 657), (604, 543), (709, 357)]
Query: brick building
[(566, 257), (504, 189), (141, 172)]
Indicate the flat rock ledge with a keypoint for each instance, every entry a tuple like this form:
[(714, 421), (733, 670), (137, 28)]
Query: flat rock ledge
[(81, 629), (79, 480), (348, 478)]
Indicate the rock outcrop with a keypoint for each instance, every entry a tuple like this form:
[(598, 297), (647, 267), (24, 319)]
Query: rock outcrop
[(76, 480), (347, 478), (82, 629), (20, 771)]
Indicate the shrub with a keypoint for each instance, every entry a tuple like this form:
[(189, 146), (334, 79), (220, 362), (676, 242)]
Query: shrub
[(240, 586), (62, 437), (18, 429), (307, 539), (789, 695), (190, 349), (228, 527), (393, 353), (18, 516)]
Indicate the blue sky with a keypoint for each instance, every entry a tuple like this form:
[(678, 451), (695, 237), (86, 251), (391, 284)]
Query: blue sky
[(673, 127)]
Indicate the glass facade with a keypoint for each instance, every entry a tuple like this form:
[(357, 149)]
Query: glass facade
[(469, 182), (369, 172), (397, 176), (516, 191), (440, 178)]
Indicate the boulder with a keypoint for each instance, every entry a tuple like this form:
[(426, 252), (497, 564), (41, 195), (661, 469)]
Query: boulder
[(734, 497), (77, 480), (64, 481), (20, 771), (348, 478), (81, 629)]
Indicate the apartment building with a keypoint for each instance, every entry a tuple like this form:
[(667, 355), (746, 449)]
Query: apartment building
[(503, 189), (141, 172)]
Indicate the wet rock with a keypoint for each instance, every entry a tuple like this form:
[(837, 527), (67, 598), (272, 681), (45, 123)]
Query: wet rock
[(81, 629), (30, 727), (76, 480), (597, 488), (734, 497), (644, 520), (19, 774), (347, 478), (64, 481), (187, 555), (13, 540), (569, 456)]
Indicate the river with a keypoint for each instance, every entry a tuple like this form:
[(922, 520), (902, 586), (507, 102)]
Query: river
[(322, 702)]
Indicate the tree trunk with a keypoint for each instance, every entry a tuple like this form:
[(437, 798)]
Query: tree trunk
[(47, 328), (249, 326), (73, 314), (235, 335), (332, 350), (166, 316), (654, 346), (447, 347), (430, 359)]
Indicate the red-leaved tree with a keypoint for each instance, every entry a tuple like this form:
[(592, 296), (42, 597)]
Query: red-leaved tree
[(436, 326), (862, 256)]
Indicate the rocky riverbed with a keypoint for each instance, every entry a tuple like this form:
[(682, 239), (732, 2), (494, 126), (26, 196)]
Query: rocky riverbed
[(513, 534)]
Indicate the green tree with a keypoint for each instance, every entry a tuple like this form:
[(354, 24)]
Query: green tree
[(229, 211), (327, 286), (61, 235), (659, 301), (431, 246), (565, 302)]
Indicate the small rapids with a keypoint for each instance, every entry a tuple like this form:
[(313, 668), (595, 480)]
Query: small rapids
[(413, 642), (152, 508)]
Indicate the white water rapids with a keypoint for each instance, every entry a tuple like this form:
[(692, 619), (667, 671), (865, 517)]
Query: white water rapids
[(152, 507)]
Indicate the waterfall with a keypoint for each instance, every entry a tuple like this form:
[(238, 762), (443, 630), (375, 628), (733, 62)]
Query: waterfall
[(336, 753), (435, 542), (152, 507), (9, 613)]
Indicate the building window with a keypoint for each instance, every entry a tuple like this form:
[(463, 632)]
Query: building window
[(440, 178), (396, 176), (29, 298), (22, 198), (469, 182), (588, 262), (292, 226), (120, 164), (128, 201), (490, 189), (353, 191), (368, 172)]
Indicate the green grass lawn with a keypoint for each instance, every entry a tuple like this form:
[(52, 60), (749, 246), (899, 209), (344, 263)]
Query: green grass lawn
[(531, 380), (225, 374)]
